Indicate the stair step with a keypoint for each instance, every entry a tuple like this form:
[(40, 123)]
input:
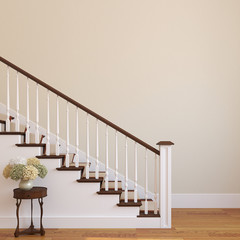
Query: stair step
[(150, 214), (70, 168), (129, 204), (90, 180), (31, 144), (50, 156), (109, 192), (12, 133), (43, 145)]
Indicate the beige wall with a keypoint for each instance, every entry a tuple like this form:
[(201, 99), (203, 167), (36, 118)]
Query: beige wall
[(163, 70)]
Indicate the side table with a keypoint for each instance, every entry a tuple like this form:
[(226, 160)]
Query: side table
[(35, 193)]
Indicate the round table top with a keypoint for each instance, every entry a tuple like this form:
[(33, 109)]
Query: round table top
[(35, 192)]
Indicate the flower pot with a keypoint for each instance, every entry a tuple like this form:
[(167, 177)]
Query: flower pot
[(26, 184)]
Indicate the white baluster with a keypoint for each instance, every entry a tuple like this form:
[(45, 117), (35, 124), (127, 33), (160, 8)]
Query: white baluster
[(67, 143), (77, 141), (155, 185), (27, 130), (146, 183), (106, 164), (135, 173), (87, 153), (37, 117), (17, 124), (126, 171), (97, 152), (57, 137), (116, 161), (8, 102), (48, 125)]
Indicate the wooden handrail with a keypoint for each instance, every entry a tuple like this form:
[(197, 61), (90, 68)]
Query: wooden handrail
[(68, 99)]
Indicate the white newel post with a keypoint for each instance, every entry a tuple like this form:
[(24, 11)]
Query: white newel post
[(165, 196)]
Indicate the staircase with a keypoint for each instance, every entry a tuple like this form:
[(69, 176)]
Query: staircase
[(117, 201)]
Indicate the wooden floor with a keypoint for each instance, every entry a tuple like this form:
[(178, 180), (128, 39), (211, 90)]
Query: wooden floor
[(188, 224)]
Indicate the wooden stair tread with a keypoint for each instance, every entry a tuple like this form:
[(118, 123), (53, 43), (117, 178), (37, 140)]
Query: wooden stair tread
[(3, 121), (129, 204), (50, 156), (90, 180), (70, 168), (31, 144), (109, 192), (143, 199), (150, 214), (12, 133)]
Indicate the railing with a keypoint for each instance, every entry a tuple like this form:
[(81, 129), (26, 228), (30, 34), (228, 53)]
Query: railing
[(164, 171)]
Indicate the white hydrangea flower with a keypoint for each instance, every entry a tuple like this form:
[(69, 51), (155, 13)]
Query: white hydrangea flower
[(18, 160)]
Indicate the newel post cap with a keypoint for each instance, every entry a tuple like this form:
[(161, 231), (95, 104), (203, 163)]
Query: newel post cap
[(165, 143)]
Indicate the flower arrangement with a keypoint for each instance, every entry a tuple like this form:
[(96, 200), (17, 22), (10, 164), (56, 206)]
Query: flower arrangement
[(24, 169)]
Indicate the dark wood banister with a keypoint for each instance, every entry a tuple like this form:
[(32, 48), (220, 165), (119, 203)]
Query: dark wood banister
[(102, 119)]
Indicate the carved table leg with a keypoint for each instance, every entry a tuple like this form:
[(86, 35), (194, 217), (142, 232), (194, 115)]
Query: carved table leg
[(16, 234), (42, 231)]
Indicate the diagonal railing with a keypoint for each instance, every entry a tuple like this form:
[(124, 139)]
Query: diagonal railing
[(163, 173)]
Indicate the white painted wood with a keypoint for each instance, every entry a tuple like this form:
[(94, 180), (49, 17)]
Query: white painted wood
[(57, 134), (96, 210), (97, 152), (135, 173), (8, 103), (106, 163), (155, 184), (27, 125), (76, 158), (146, 183), (116, 161), (67, 142), (87, 152), (126, 171), (37, 117), (17, 123), (165, 183), (48, 125)]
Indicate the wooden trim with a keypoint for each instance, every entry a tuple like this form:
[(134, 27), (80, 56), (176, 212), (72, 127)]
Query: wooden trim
[(129, 204), (165, 143), (109, 192), (50, 156), (68, 99), (70, 168), (90, 180), (150, 214), (12, 133)]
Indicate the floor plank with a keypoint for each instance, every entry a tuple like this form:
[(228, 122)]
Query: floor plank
[(188, 224)]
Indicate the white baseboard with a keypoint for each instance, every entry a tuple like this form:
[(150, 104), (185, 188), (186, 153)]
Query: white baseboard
[(206, 200), (83, 222)]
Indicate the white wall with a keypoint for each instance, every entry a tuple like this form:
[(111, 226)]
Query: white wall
[(163, 70)]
